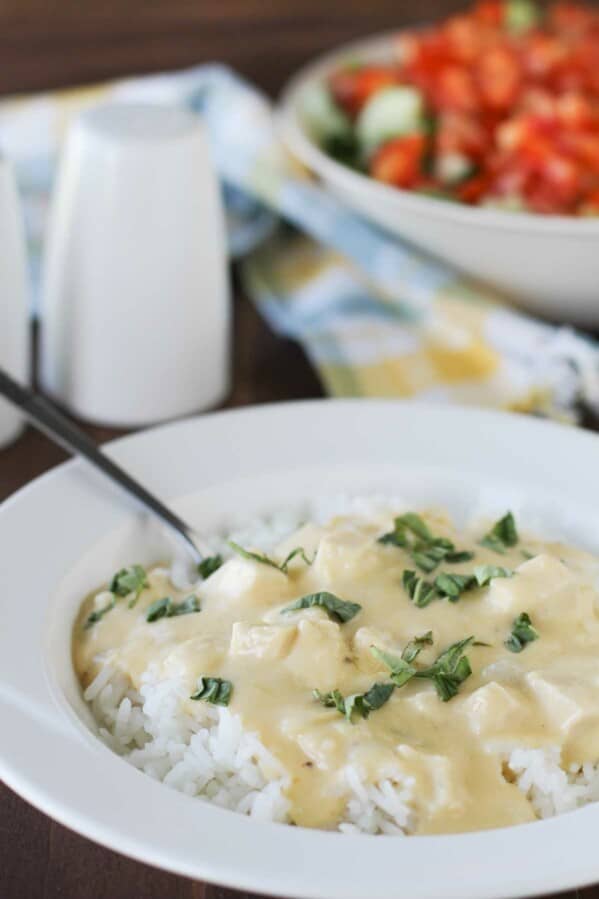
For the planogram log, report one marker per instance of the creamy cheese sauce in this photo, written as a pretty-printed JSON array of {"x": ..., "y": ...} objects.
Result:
[{"x": 451, "y": 752}]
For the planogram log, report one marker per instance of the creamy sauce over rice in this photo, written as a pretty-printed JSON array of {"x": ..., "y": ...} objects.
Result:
[{"x": 451, "y": 755}]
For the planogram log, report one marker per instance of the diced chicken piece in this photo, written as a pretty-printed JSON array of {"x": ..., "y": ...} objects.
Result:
[
  {"x": 497, "y": 711},
  {"x": 438, "y": 786},
  {"x": 262, "y": 640},
  {"x": 318, "y": 653},
  {"x": 194, "y": 657},
  {"x": 323, "y": 742},
  {"x": 544, "y": 587},
  {"x": 347, "y": 555},
  {"x": 569, "y": 698},
  {"x": 248, "y": 581}
]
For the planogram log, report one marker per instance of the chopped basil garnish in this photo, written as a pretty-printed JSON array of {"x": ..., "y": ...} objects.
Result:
[
  {"x": 129, "y": 580},
  {"x": 522, "y": 633},
  {"x": 358, "y": 704},
  {"x": 214, "y": 690},
  {"x": 401, "y": 671},
  {"x": 266, "y": 560},
  {"x": 449, "y": 586},
  {"x": 453, "y": 585},
  {"x": 400, "y": 666},
  {"x": 98, "y": 614},
  {"x": 447, "y": 672},
  {"x": 413, "y": 534},
  {"x": 484, "y": 574},
  {"x": 337, "y": 609},
  {"x": 420, "y": 591},
  {"x": 209, "y": 565},
  {"x": 502, "y": 535},
  {"x": 416, "y": 645},
  {"x": 167, "y": 608}
]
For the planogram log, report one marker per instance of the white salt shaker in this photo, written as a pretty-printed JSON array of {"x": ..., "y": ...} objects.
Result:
[
  {"x": 14, "y": 299},
  {"x": 135, "y": 294}
]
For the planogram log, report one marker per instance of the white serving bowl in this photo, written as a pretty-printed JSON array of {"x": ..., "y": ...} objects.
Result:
[
  {"x": 548, "y": 263},
  {"x": 61, "y": 535}
]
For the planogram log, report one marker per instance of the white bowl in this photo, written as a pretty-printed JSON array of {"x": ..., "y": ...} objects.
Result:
[
  {"x": 63, "y": 533},
  {"x": 548, "y": 264}
]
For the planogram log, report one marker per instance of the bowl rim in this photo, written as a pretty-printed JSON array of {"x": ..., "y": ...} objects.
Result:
[
  {"x": 306, "y": 149},
  {"x": 269, "y": 858}
]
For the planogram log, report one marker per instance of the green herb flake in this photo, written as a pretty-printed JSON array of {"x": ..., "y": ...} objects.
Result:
[
  {"x": 214, "y": 690},
  {"x": 415, "y": 646},
  {"x": 411, "y": 533},
  {"x": 209, "y": 565},
  {"x": 131, "y": 580},
  {"x": 266, "y": 560},
  {"x": 449, "y": 670},
  {"x": 453, "y": 585},
  {"x": 522, "y": 633},
  {"x": 420, "y": 591},
  {"x": 358, "y": 704},
  {"x": 338, "y": 609},
  {"x": 98, "y": 614},
  {"x": 502, "y": 535},
  {"x": 484, "y": 574},
  {"x": 400, "y": 669},
  {"x": 167, "y": 608}
]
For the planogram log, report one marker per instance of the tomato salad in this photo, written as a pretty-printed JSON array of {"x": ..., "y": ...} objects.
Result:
[{"x": 497, "y": 106}]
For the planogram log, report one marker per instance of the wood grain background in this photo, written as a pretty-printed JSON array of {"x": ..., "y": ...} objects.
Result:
[{"x": 50, "y": 43}]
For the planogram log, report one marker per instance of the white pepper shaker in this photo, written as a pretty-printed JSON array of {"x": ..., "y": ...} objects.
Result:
[
  {"x": 14, "y": 299},
  {"x": 135, "y": 295}
]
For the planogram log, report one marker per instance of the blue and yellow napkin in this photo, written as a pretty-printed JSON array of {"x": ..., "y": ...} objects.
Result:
[{"x": 376, "y": 316}]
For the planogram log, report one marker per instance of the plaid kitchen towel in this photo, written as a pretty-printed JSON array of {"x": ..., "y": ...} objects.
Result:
[{"x": 376, "y": 316}]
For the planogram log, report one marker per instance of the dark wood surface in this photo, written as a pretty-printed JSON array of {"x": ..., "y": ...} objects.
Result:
[{"x": 49, "y": 43}]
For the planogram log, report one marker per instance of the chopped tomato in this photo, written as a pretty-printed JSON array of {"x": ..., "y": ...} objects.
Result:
[
  {"x": 399, "y": 161},
  {"x": 499, "y": 76},
  {"x": 518, "y": 101},
  {"x": 351, "y": 88},
  {"x": 489, "y": 11},
  {"x": 455, "y": 89}
]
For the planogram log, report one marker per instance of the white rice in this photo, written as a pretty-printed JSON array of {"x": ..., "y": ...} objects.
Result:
[{"x": 210, "y": 756}]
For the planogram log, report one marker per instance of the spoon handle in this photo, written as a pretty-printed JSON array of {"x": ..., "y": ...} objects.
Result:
[{"x": 44, "y": 416}]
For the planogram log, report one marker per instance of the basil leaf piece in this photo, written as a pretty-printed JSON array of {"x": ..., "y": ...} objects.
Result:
[
  {"x": 358, "y": 704},
  {"x": 502, "y": 535},
  {"x": 450, "y": 669},
  {"x": 338, "y": 609},
  {"x": 415, "y": 646},
  {"x": 484, "y": 574},
  {"x": 167, "y": 608},
  {"x": 209, "y": 565},
  {"x": 421, "y": 592},
  {"x": 428, "y": 555},
  {"x": 522, "y": 633},
  {"x": 427, "y": 551},
  {"x": 459, "y": 556},
  {"x": 266, "y": 560},
  {"x": 214, "y": 690},
  {"x": 98, "y": 614},
  {"x": 400, "y": 669},
  {"x": 453, "y": 585},
  {"x": 129, "y": 580}
]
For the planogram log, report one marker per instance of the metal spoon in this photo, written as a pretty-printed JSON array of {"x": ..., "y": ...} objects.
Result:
[{"x": 44, "y": 416}]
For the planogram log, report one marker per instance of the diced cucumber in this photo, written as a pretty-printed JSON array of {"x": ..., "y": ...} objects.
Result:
[
  {"x": 391, "y": 112},
  {"x": 451, "y": 168},
  {"x": 322, "y": 117},
  {"x": 521, "y": 15}
]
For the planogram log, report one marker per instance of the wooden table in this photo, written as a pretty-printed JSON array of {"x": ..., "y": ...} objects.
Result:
[{"x": 45, "y": 45}]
